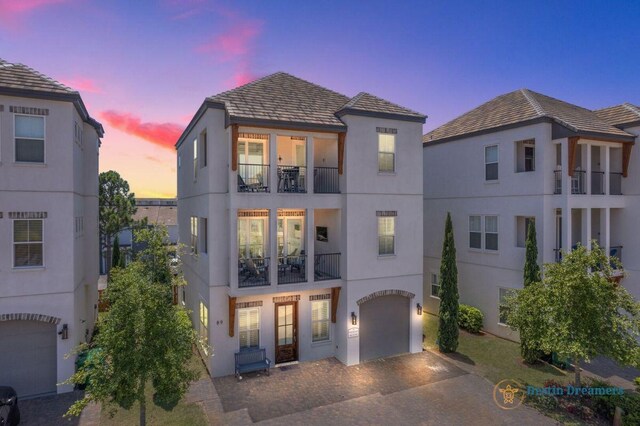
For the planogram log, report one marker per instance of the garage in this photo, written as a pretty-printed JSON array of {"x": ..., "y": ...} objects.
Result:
[
  {"x": 28, "y": 357},
  {"x": 384, "y": 327}
]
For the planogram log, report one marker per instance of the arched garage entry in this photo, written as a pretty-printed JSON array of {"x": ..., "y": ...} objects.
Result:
[
  {"x": 28, "y": 353},
  {"x": 384, "y": 324}
]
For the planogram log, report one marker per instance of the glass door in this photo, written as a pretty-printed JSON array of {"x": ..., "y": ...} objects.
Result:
[{"x": 251, "y": 238}]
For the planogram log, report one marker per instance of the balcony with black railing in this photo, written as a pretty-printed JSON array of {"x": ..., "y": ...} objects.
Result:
[
  {"x": 557, "y": 182},
  {"x": 292, "y": 179},
  {"x": 326, "y": 266},
  {"x": 615, "y": 183},
  {"x": 326, "y": 180},
  {"x": 578, "y": 185},
  {"x": 292, "y": 269},
  {"x": 597, "y": 183},
  {"x": 253, "y": 272},
  {"x": 253, "y": 177}
]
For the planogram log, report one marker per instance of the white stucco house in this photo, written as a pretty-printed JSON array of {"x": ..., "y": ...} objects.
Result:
[
  {"x": 302, "y": 208},
  {"x": 525, "y": 156},
  {"x": 48, "y": 229}
]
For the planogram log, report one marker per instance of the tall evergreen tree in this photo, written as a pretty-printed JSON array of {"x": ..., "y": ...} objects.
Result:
[
  {"x": 115, "y": 259},
  {"x": 530, "y": 353},
  {"x": 448, "y": 322}
]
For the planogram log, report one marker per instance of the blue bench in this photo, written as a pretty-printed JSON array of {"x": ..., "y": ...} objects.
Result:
[{"x": 252, "y": 360}]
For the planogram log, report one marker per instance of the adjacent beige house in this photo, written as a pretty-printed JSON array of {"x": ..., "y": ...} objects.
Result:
[
  {"x": 48, "y": 229},
  {"x": 302, "y": 208}
]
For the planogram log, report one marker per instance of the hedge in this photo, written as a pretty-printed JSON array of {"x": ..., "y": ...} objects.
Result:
[{"x": 470, "y": 318}]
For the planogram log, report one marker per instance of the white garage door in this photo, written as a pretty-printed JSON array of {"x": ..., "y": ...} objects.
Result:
[
  {"x": 28, "y": 357},
  {"x": 384, "y": 327}
]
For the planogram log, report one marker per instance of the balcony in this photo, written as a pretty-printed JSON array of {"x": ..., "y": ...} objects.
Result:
[
  {"x": 615, "y": 183},
  {"x": 326, "y": 180},
  {"x": 326, "y": 266},
  {"x": 292, "y": 179},
  {"x": 253, "y": 177},
  {"x": 253, "y": 272},
  {"x": 292, "y": 269},
  {"x": 578, "y": 182},
  {"x": 597, "y": 183},
  {"x": 557, "y": 179}
]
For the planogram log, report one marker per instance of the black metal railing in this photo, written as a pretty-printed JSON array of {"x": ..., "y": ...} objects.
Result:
[
  {"x": 292, "y": 179},
  {"x": 253, "y": 177},
  {"x": 577, "y": 182},
  {"x": 557, "y": 255},
  {"x": 253, "y": 272},
  {"x": 597, "y": 183},
  {"x": 615, "y": 183},
  {"x": 292, "y": 269},
  {"x": 326, "y": 180},
  {"x": 326, "y": 266},
  {"x": 557, "y": 179}
]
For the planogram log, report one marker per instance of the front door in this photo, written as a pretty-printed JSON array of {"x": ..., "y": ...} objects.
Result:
[{"x": 286, "y": 332}]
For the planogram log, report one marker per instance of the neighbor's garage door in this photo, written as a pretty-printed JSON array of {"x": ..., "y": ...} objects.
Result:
[
  {"x": 384, "y": 327},
  {"x": 28, "y": 357}
]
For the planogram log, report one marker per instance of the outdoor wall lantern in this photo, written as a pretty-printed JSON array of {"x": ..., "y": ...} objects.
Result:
[
  {"x": 64, "y": 333},
  {"x": 354, "y": 318},
  {"x": 419, "y": 306}
]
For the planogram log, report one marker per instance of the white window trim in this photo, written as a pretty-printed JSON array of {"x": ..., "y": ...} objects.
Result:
[
  {"x": 44, "y": 141},
  {"x": 395, "y": 237},
  {"x": 484, "y": 155},
  {"x": 387, "y": 172},
  {"x": 257, "y": 308},
  {"x": 13, "y": 251},
  {"x": 431, "y": 274},
  {"x": 330, "y": 335},
  {"x": 483, "y": 233}
]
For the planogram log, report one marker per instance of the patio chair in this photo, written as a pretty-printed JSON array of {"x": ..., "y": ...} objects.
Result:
[
  {"x": 255, "y": 272},
  {"x": 242, "y": 186},
  {"x": 297, "y": 262}
]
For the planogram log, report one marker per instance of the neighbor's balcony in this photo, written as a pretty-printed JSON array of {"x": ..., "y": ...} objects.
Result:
[
  {"x": 253, "y": 272},
  {"x": 292, "y": 179},
  {"x": 597, "y": 183},
  {"x": 253, "y": 177},
  {"x": 292, "y": 269},
  {"x": 578, "y": 180},
  {"x": 326, "y": 180},
  {"x": 614, "y": 252},
  {"x": 326, "y": 267},
  {"x": 615, "y": 183}
]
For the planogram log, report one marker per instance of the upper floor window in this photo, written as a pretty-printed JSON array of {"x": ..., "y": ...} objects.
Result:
[
  {"x": 27, "y": 243},
  {"x": 435, "y": 286},
  {"x": 475, "y": 232},
  {"x": 525, "y": 156},
  {"x": 491, "y": 162},
  {"x": 490, "y": 235},
  {"x": 194, "y": 235},
  {"x": 195, "y": 159},
  {"x": 386, "y": 153},
  {"x": 203, "y": 138},
  {"x": 320, "y": 320},
  {"x": 249, "y": 328},
  {"x": 386, "y": 234},
  {"x": 29, "y": 132},
  {"x": 204, "y": 225},
  {"x": 204, "y": 327}
]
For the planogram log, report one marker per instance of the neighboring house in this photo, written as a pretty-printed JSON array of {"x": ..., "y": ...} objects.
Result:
[
  {"x": 521, "y": 157},
  {"x": 157, "y": 211},
  {"x": 48, "y": 229},
  {"x": 303, "y": 211}
]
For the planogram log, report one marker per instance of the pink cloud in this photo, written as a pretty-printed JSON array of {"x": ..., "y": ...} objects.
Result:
[
  {"x": 12, "y": 10},
  {"x": 82, "y": 84},
  {"x": 236, "y": 42},
  {"x": 242, "y": 76},
  {"x": 164, "y": 135}
]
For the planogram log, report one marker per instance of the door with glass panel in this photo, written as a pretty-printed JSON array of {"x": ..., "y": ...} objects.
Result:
[
  {"x": 286, "y": 322},
  {"x": 251, "y": 164},
  {"x": 251, "y": 238}
]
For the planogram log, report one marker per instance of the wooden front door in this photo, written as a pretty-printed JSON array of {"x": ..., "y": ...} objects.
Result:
[{"x": 286, "y": 332}]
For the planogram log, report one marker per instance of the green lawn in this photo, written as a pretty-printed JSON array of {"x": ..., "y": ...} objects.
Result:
[
  {"x": 182, "y": 414},
  {"x": 494, "y": 358}
]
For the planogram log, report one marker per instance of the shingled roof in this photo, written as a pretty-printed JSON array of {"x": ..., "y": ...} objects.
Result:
[
  {"x": 284, "y": 100},
  {"x": 22, "y": 81},
  {"x": 523, "y": 107},
  {"x": 620, "y": 115}
]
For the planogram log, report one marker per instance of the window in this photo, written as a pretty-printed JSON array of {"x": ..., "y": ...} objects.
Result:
[
  {"x": 525, "y": 156},
  {"x": 491, "y": 233},
  {"x": 386, "y": 153},
  {"x": 249, "y": 328},
  {"x": 435, "y": 286},
  {"x": 29, "y": 132},
  {"x": 205, "y": 233},
  {"x": 320, "y": 320},
  {"x": 195, "y": 159},
  {"x": 522, "y": 227},
  {"x": 179, "y": 161},
  {"x": 194, "y": 235},
  {"x": 204, "y": 327},
  {"x": 27, "y": 243},
  {"x": 203, "y": 136},
  {"x": 386, "y": 235},
  {"x": 491, "y": 162},
  {"x": 503, "y": 311},
  {"x": 475, "y": 232}
]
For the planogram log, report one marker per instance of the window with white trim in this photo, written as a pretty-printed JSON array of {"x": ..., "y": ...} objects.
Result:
[
  {"x": 29, "y": 142},
  {"x": 491, "y": 233},
  {"x": 320, "y": 318},
  {"x": 526, "y": 156},
  {"x": 194, "y": 235},
  {"x": 435, "y": 286},
  {"x": 204, "y": 327},
  {"x": 195, "y": 159},
  {"x": 27, "y": 243},
  {"x": 491, "y": 163},
  {"x": 204, "y": 225},
  {"x": 249, "y": 328},
  {"x": 475, "y": 232},
  {"x": 483, "y": 232},
  {"x": 386, "y": 235},
  {"x": 386, "y": 153}
]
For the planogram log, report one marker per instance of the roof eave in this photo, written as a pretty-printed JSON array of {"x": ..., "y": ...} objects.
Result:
[
  {"x": 208, "y": 103},
  {"x": 376, "y": 114},
  {"x": 285, "y": 124}
]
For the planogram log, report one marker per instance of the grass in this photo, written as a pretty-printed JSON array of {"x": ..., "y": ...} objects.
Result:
[
  {"x": 182, "y": 414},
  {"x": 494, "y": 358}
]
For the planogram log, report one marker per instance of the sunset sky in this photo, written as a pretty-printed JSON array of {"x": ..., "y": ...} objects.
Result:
[{"x": 144, "y": 67}]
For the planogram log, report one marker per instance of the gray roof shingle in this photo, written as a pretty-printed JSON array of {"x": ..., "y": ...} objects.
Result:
[
  {"x": 521, "y": 106},
  {"x": 620, "y": 115},
  {"x": 366, "y": 102}
]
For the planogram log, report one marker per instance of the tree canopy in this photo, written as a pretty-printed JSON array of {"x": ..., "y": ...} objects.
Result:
[{"x": 449, "y": 306}]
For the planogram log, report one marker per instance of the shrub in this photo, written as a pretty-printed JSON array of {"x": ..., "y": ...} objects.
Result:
[
  {"x": 470, "y": 318},
  {"x": 636, "y": 381}
]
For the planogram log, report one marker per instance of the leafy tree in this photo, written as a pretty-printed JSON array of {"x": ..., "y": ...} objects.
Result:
[
  {"x": 116, "y": 259},
  {"x": 448, "y": 322},
  {"x": 144, "y": 342},
  {"x": 583, "y": 312},
  {"x": 529, "y": 352},
  {"x": 117, "y": 207}
]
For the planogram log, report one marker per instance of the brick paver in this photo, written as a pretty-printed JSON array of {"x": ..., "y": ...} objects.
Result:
[{"x": 48, "y": 410}]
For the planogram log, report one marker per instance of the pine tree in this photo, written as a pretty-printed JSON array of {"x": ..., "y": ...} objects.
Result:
[
  {"x": 531, "y": 275},
  {"x": 448, "y": 323},
  {"x": 115, "y": 260}
]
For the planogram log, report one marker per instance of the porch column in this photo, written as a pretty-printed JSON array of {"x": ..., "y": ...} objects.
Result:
[
  {"x": 233, "y": 248},
  {"x": 586, "y": 228},
  {"x": 605, "y": 226},
  {"x": 607, "y": 169},
  {"x": 273, "y": 247},
  {"x": 587, "y": 181},
  {"x": 273, "y": 163},
  {"x": 566, "y": 231},
  {"x": 310, "y": 243},
  {"x": 310, "y": 165},
  {"x": 566, "y": 177}
]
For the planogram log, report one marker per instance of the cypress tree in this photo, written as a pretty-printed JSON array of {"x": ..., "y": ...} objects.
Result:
[
  {"x": 531, "y": 275},
  {"x": 115, "y": 259},
  {"x": 448, "y": 322}
]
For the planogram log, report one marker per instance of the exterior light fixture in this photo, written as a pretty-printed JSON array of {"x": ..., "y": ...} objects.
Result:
[
  {"x": 419, "y": 306},
  {"x": 64, "y": 333},
  {"x": 354, "y": 318}
]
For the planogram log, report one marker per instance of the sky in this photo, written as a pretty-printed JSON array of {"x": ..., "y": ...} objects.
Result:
[{"x": 144, "y": 67}]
